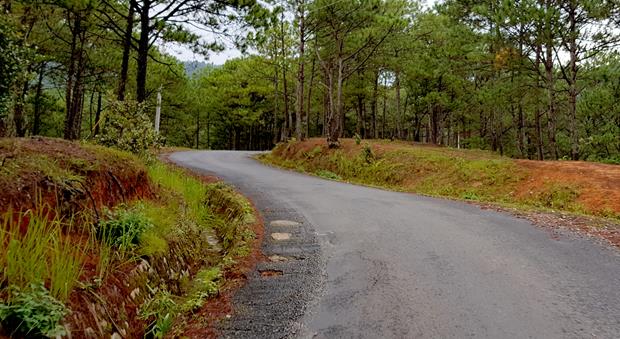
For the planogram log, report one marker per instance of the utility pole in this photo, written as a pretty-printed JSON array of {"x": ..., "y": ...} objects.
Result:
[{"x": 158, "y": 110}]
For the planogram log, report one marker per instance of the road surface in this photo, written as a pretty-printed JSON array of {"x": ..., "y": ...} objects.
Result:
[{"x": 369, "y": 263}]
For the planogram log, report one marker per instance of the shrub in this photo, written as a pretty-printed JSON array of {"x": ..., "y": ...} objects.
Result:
[
  {"x": 367, "y": 154},
  {"x": 358, "y": 139},
  {"x": 126, "y": 125},
  {"x": 33, "y": 312},
  {"x": 124, "y": 229}
]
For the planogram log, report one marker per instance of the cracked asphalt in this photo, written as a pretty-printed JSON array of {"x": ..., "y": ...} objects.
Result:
[{"x": 369, "y": 263}]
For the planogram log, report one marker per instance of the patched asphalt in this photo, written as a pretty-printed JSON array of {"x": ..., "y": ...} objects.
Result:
[{"x": 368, "y": 263}]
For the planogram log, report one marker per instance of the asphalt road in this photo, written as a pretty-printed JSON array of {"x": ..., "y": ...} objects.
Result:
[{"x": 368, "y": 263}]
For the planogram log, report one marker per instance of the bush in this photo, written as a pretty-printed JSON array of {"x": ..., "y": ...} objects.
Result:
[
  {"x": 124, "y": 229},
  {"x": 126, "y": 125},
  {"x": 33, "y": 312}
]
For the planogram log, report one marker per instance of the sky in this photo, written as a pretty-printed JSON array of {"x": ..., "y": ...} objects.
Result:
[{"x": 184, "y": 54}]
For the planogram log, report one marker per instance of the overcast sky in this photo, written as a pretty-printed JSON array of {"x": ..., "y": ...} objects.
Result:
[{"x": 231, "y": 52}]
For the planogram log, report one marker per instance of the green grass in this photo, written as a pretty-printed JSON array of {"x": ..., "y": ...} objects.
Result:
[{"x": 39, "y": 255}]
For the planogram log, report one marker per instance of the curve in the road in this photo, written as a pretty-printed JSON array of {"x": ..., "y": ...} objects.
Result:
[{"x": 377, "y": 264}]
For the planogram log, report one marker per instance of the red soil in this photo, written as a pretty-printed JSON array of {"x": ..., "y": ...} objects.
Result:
[{"x": 108, "y": 180}]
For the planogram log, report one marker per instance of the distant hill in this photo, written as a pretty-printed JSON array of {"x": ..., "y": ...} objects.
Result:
[{"x": 192, "y": 67}]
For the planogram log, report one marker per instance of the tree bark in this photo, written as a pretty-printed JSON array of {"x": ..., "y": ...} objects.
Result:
[
  {"x": 398, "y": 112},
  {"x": 288, "y": 116},
  {"x": 122, "y": 82},
  {"x": 572, "y": 80},
  {"x": 36, "y": 125},
  {"x": 309, "y": 101},
  {"x": 75, "y": 80},
  {"x": 143, "y": 50},
  {"x": 373, "y": 107},
  {"x": 300, "y": 75}
]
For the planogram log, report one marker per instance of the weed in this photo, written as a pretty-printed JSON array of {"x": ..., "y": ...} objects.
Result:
[
  {"x": 124, "y": 229},
  {"x": 205, "y": 285},
  {"x": 558, "y": 196},
  {"x": 316, "y": 151},
  {"x": 328, "y": 175},
  {"x": 160, "y": 310},
  {"x": 33, "y": 312},
  {"x": 358, "y": 139},
  {"x": 367, "y": 154}
]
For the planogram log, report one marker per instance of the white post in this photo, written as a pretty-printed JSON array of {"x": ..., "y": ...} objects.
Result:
[{"x": 158, "y": 110}]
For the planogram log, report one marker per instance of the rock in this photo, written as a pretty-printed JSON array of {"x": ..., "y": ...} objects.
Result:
[
  {"x": 278, "y": 258},
  {"x": 280, "y": 236},
  {"x": 284, "y": 223}
]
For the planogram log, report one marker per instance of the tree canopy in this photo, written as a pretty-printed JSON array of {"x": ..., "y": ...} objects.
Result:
[{"x": 525, "y": 78}]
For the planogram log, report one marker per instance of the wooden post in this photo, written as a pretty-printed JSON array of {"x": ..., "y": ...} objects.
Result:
[{"x": 158, "y": 111}]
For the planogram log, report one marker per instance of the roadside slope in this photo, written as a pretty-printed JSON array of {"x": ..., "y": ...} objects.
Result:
[{"x": 95, "y": 242}]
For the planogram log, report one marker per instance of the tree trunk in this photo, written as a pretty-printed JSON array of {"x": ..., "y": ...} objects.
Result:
[
  {"x": 122, "y": 82},
  {"x": 309, "y": 101},
  {"x": 550, "y": 79},
  {"x": 288, "y": 116},
  {"x": 331, "y": 125},
  {"x": 98, "y": 114},
  {"x": 36, "y": 125},
  {"x": 572, "y": 81},
  {"x": 373, "y": 106},
  {"x": 143, "y": 51},
  {"x": 18, "y": 110},
  {"x": 276, "y": 95},
  {"x": 398, "y": 112},
  {"x": 300, "y": 75},
  {"x": 75, "y": 81}
]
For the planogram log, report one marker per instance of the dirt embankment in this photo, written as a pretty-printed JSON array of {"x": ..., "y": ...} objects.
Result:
[
  {"x": 59, "y": 173},
  {"x": 122, "y": 289}
]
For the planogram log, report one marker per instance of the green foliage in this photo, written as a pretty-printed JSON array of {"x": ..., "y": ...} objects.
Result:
[
  {"x": 558, "y": 196},
  {"x": 204, "y": 285},
  {"x": 160, "y": 310},
  {"x": 357, "y": 138},
  {"x": 126, "y": 125},
  {"x": 367, "y": 154},
  {"x": 33, "y": 312},
  {"x": 328, "y": 175},
  {"x": 10, "y": 61},
  {"x": 124, "y": 229}
]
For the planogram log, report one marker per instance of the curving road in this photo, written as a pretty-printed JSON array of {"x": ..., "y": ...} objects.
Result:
[{"x": 395, "y": 265}]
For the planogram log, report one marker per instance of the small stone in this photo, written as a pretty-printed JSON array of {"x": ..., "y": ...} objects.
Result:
[
  {"x": 228, "y": 316},
  {"x": 116, "y": 336},
  {"x": 284, "y": 223},
  {"x": 278, "y": 258},
  {"x": 280, "y": 236}
]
